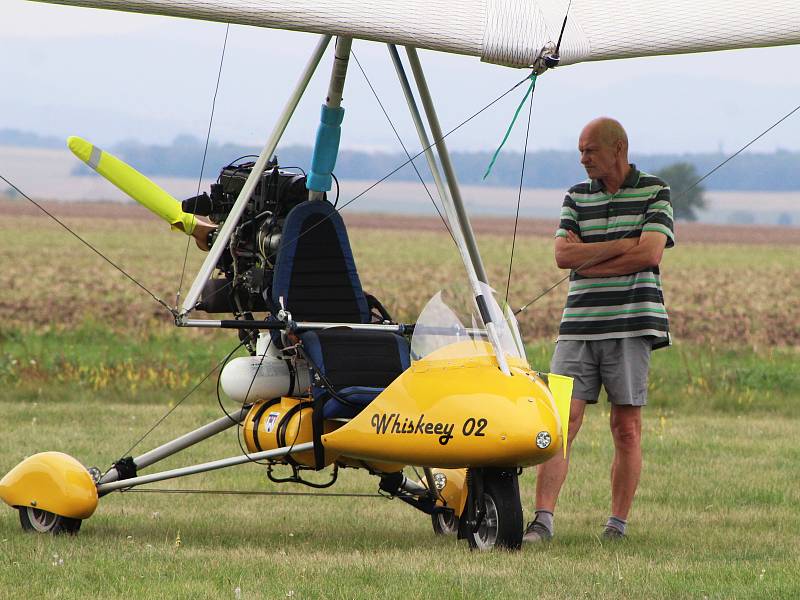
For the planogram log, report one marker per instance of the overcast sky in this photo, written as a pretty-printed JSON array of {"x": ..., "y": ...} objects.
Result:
[{"x": 110, "y": 76}]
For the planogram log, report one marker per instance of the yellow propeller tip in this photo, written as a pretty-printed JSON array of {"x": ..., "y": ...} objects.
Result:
[{"x": 80, "y": 147}]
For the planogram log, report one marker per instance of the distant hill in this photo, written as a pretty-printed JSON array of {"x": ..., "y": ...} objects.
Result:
[
  {"x": 777, "y": 171},
  {"x": 25, "y": 139}
]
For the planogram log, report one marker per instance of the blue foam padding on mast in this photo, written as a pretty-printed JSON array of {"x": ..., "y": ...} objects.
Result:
[{"x": 326, "y": 149}]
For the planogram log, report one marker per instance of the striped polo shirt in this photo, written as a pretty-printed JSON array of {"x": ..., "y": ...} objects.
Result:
[{"x": 600, "y": 308}]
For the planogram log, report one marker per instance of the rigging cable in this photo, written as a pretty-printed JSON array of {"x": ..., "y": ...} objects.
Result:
[
  {"x": 600, "y": 256},
  {"x": 519, "y": 198},
  {"x": 392, "y": 172},
  {"x": 250, "y": 493},
  {"x": 205, "y": 154},
  {"x": 399, "y": 139},
  {"x": 177, "y": 404},
  {"x": 417, "y": 155},
  {"x": 90, "y": 246}
]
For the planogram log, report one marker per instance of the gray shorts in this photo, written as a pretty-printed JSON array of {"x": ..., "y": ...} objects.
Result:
[{"x": 620, "y": 365}]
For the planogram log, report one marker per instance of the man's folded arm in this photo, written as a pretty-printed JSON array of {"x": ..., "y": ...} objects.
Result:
[
  {"x": 571, "y": 255},
  {"x": 646, "y": 254}
]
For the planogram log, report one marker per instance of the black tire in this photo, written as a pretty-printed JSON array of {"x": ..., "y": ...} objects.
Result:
[
  {"x": 445, "y": 522},
  {"x": 501, "y": 526},
  {"x": 41, "y": 521}
]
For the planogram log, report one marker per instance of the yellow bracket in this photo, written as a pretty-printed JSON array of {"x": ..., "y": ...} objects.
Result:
[{"x": 561, "y": 388}]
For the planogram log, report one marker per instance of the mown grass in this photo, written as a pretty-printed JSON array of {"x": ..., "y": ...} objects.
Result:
[{"x": 716, "y": 517}]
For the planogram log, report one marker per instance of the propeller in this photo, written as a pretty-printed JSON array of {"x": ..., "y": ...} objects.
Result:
[{"x": 133, "y": 183}]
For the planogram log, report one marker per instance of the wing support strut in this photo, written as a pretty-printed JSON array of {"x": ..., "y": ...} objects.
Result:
[
  {"x": 250, "y": 185},
  {"x": 451, "y": 196}
]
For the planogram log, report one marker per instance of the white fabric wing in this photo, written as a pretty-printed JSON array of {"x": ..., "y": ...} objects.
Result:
[{"x": 509, "y": 32}]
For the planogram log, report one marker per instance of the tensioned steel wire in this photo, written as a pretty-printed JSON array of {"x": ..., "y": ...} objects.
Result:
[
  {"x": 205, "y": 154},
  {"x": 400, "y": 139},
  {"x": 519, "y": 194},
  {"x": 179, "y": 402},
  {"x": 90, "y": 246},
  {"x": 173, "y": 312},
  {"x": 251, "y": 493},
  {"x": 603, "y": 255},
  {"x": 393, "y": 171}
]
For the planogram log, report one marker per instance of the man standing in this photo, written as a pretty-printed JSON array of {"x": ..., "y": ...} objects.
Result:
[{"x": 614, "y": 228}]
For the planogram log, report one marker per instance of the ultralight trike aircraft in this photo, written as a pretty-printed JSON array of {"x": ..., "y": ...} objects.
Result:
[{"x": 332, "y": 379}]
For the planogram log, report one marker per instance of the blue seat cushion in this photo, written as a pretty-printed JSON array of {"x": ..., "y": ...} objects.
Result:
[
  {"x": 358, "y": 398},
  {"x": 357, "y": 364}
]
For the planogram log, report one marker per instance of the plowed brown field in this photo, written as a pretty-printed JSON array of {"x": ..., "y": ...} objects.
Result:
[{"x": 733, "y": 286}]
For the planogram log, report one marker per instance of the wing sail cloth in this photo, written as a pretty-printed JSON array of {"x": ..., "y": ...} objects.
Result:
[{"x": 509, "y": 32}]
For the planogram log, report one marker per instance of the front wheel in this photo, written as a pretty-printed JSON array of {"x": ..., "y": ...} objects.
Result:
[
  {"x": 501, "y": 525},
  {"x": 445, "y": 522},
  {"x": 42, "y": 521}
]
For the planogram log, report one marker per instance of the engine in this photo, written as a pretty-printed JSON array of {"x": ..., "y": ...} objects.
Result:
[{"x": 245, "y": 267}]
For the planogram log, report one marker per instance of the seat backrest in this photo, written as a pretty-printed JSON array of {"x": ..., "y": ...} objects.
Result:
[{"x": 315, "y": 273}]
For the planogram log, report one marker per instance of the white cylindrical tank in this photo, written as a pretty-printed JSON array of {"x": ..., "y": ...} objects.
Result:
[{"x": 250, "y": 378}]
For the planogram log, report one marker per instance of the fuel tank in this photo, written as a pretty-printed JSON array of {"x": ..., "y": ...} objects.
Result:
[{"x": 248, "y": 378}]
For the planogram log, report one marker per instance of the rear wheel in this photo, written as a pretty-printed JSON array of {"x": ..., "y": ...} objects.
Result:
[
  {"x": 445, "y": 522},
  {"x": 501, "y": 525},
  {"x": 42, "y": 521}
]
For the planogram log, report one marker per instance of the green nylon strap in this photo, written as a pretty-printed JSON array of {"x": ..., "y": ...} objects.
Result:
[{"x": 511, "y": 126}]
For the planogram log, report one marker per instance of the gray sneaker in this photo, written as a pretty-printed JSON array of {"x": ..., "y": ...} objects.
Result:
[
  {"x": 536, "y": 532},
  {"x": 612, "y": 534}
]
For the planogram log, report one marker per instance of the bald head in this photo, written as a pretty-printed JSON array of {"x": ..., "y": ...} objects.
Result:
[
  {"x": 604, "y": 151},
  {"x": 608, "y": 131}
]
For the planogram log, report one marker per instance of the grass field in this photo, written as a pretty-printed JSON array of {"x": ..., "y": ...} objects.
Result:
[{"x": 88, "y": 363}]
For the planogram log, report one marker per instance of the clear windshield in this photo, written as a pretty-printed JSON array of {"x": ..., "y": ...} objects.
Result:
[{"x": 439, "y": 326}]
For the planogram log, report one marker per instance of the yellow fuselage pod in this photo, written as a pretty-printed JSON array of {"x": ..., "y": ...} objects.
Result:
[
  {"x": 456, "y": 412},
  {"x": 51, "y": 481}
]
